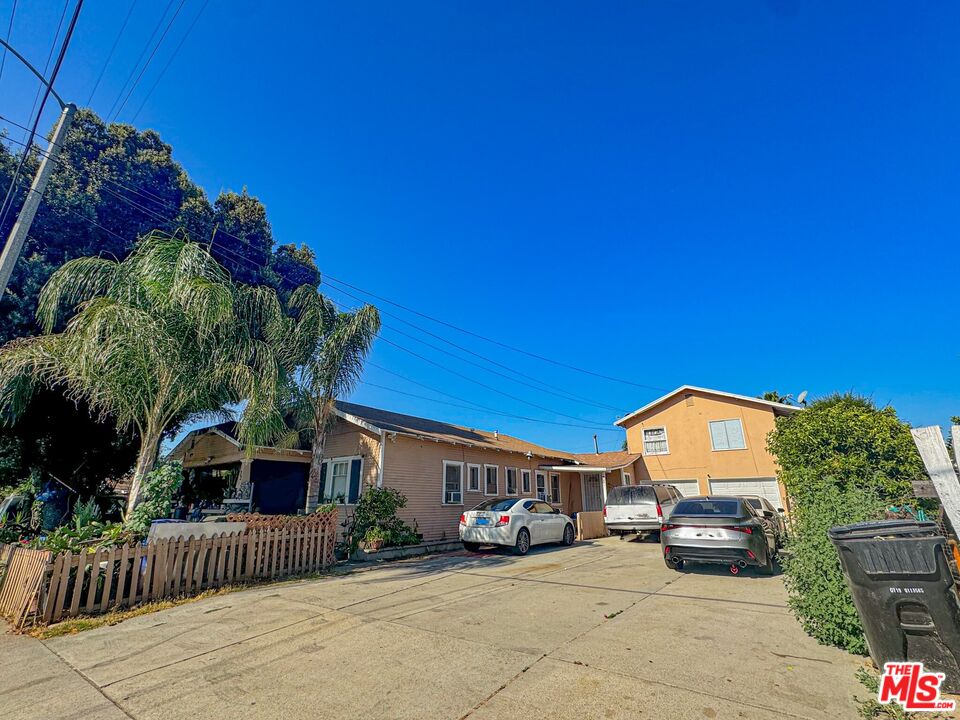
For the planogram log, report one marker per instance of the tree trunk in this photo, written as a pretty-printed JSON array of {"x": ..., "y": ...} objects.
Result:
[
  {"x": 316, "y": 457},
  {"x": 149, "y": 443}
]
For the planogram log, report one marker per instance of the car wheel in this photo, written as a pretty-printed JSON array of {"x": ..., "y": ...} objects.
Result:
[
  {"x": 767, "y": 567},
  {"x": 568, "y": 535},
  {"x": 523, "y": 542},
  {"x": 472, "y": 547}
]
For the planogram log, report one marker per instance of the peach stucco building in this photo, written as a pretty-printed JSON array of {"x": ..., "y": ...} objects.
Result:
[{"x": 703, "y": 441}]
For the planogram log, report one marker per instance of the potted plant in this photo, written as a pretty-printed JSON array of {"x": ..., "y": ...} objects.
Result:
[{"x": 373, "y": 540}]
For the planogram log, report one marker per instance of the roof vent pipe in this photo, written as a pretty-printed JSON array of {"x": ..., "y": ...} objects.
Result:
[
  {"x": 596, "y": 445},
  {"x": 496, "y": 434}
]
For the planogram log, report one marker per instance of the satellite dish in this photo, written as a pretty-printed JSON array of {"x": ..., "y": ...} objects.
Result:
[{"x": 802, "y": 398}]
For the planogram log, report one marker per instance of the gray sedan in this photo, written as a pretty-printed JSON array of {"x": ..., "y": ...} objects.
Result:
[{"x": 714, "y": 529}]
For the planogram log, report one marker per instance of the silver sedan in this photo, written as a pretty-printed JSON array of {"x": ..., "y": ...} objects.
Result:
[{"x": 518, "y": 523}]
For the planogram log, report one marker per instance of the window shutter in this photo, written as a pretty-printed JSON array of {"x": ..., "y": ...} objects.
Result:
[
  {"x": 735, "y": 434},
  {"x": 323, "y": 481},
  {"x": 718, "y": 433},
  {"x": 354, "y": 492}
]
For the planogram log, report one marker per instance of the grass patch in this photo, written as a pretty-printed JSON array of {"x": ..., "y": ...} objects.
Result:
[{"x": 78, "y": 624}]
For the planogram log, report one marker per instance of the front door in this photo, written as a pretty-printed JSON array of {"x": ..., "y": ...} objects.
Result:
[{"x": 592, "y": 493}]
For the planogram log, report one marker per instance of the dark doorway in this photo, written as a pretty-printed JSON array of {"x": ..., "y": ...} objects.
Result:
[{"x": 279, "y": 488}]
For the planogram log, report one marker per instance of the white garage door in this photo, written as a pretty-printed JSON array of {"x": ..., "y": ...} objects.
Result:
[
  {"x": 765, "y": 487},
  {"x": 687, "y": 488}
]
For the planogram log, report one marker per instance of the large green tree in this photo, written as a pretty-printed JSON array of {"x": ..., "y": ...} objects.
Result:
[
  {"x": 162, "y": 335},
  {"x": 111, "y": 185}
]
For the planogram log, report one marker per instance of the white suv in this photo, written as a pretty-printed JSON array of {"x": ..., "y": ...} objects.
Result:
[{"x": 639, "y": 509}]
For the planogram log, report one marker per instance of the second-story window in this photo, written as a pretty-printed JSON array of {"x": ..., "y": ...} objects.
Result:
[
  {"x": 727, "y": 435},
  {"x": 655, "y": 441}
]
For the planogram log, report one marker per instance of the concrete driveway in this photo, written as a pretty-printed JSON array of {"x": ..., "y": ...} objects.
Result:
[{"x": 600, "y": 630}]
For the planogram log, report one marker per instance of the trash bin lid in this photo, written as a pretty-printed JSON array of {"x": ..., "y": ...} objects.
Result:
[{"x": 874, "y": 529}]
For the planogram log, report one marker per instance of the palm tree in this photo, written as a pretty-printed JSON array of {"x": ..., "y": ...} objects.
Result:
[
  {"x": 774, "y": 396},
  {"x": 154, "y": 339},
  {"x": 341, "y": 342}
]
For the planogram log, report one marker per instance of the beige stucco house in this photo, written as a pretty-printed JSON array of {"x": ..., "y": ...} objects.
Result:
[
  {"x": 441, "y": 468},
  {"x": 703, "y": 441},
  {"x": 707, "y": 441}
]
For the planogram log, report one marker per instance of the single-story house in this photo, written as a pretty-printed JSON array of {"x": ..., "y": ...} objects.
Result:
[{"x": 441, "y": 468}]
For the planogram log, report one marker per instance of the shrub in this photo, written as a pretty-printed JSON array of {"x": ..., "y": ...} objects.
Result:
[
  {"x": 377, "y": 509},
  {"x": 819, "y": 596},
  {"x": 159, "y": 488}
]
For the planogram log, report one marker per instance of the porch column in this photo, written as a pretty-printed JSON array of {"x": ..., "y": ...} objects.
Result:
[
  {"x": 243, "y": 481},
  {"x": 603, "y": 487}
]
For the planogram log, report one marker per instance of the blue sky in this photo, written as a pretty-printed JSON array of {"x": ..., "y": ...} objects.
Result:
[{"x": 744, "y": 196}]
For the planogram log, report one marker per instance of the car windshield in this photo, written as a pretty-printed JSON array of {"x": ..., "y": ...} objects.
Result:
[
  {"x": 755, "y": 503},
  {"x": 497, "y": 504},
  {"x": 708, "y": 507},
  {"x": 631, "y": 495}
]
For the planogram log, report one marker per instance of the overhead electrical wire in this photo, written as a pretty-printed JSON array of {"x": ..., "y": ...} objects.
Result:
[
  {"x": 169, "y": 62},
  {"x": 113, "y": 49},
  {"x": 149, "y": 60},
  {"x": 3, "y": 59}
]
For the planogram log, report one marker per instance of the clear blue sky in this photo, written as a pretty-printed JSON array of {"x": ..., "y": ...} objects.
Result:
[{"x": 744, "y": 196}]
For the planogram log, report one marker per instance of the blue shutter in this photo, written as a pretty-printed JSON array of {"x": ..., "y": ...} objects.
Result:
[
  {"x": 323, "y": 481},
  {"x": 354, "y": 492}
]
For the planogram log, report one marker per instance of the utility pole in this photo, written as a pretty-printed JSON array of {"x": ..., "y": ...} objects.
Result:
[{"x": 18, "y": 233}]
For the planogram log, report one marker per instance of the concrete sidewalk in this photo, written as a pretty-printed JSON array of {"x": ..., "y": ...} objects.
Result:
[{"x": 600, "y": 630}]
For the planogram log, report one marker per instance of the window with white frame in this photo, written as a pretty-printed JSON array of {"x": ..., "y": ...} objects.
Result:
[
  {"x": 473, "y": 478},
  {"x": 511, "y": 481},
  {"x": 727, "y": 435},
  {"x": 525, "y": 482},
  {"x": 541, "y": 486},
  {"x": 452, "y": 482},
  {"x": 338, "y": 484},
  {"x": 491, "y": 480},
  {"x": 655, "y": 441},
  {"x": 626, "y": 479},
  {"x": 554, "y": 487}
]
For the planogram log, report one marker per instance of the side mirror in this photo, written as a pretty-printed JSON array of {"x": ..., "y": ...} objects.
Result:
[
  {"x": 556, "y": 511},
  {"x": 780, "y": 510}
]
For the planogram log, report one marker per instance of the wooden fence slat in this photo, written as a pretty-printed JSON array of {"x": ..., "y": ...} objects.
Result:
[
  {"x": 108, "y": 579},
  {"x": 189, "y": 565},
  {"x": 62, "y": 588},
  {"x": 250, "y": 553},
  {"x": 81, "y": 563},
  {"x": 222, "y": 558},
  {"x": 136, "y": 574},
  {"x": 94, "y": 579},
  {"x": 200, "y": 566},
  {"x": 54, "y": 587},
  {"x": 122, "y": 572}
]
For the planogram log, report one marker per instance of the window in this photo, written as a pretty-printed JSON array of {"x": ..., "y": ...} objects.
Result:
[
  {"x": 626, "y": 479},
  {"x": 473, "y": 478},
  {"x": 452, "y": 482},
  {"x": 511, "y": 481},
  {"x": 499, "y": 505},
  {"x": 525, "y": 481},
  {"x": 339, "y": 476},
  {"x": 555, "y": 487},
  {"x": 727, "y": 435},
  {"x": 543, "y": 509},
  {"x": 541, "y": 486},
  {"x": 729, "y": 508},
  {"x": 631, "y": 495},
  {"x": 340, "y": 480},
  {"x": 655, "y": 441},
  {"x": 492, "y": 482}
]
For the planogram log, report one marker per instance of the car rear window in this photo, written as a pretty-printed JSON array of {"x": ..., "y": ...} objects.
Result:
[
  {"x": 708, "y": 507},
  {"x": 630, "y": 495},
  {"x": 497, "y": 504}
]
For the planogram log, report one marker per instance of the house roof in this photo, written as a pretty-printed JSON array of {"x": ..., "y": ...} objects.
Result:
[
  {"x": 778, "y": 408},
  {"x": 607, "y": 460},
  {"x": 376, "y": 419}
]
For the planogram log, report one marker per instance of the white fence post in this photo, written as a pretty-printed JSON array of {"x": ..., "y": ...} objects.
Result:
[{"x": 933, "y": 452}]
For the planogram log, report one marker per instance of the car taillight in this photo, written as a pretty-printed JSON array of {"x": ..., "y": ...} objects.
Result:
[
  {"x": 504, "y": 519},
  {"x": 659, "y": 511},
  {"x": 463, "y": 519},
  {"x": 665, "y": 527},
  {"x": 751, "y": 555},
  {"x": 739, "y": 528},
  {"x": 666, "y": 550}
]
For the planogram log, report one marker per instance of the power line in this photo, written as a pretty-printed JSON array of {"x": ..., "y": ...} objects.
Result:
[
  {"x": 547, "y": 388},
  {"x": 491, "y": 340},
  {"x": 13, "y": 14},
  {"x": 169, "y": 61},
  {"x": 112, "y": 50},
  {"x": 149, "y": 60},
  {"x": 53, "y": 46},
  {"x": 143, "y": 52},
  {"x": 36, "y": 121}
]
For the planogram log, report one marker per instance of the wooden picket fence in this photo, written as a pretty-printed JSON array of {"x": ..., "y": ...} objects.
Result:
[{"x": 95, "y": 582}]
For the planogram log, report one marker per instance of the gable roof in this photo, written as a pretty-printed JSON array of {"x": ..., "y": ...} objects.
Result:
[
  {"x": 377, "y": 420},
  {"x": 778, "y": 408}
]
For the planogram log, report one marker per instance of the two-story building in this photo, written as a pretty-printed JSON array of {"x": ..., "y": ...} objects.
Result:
[{"x": 707, "y": 442}]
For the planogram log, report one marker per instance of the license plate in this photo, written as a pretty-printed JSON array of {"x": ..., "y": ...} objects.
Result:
[{"x": 483, "y": 521}]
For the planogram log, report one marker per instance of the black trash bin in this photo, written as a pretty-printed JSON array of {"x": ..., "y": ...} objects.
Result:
[{"x": 901, "y": 584}]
